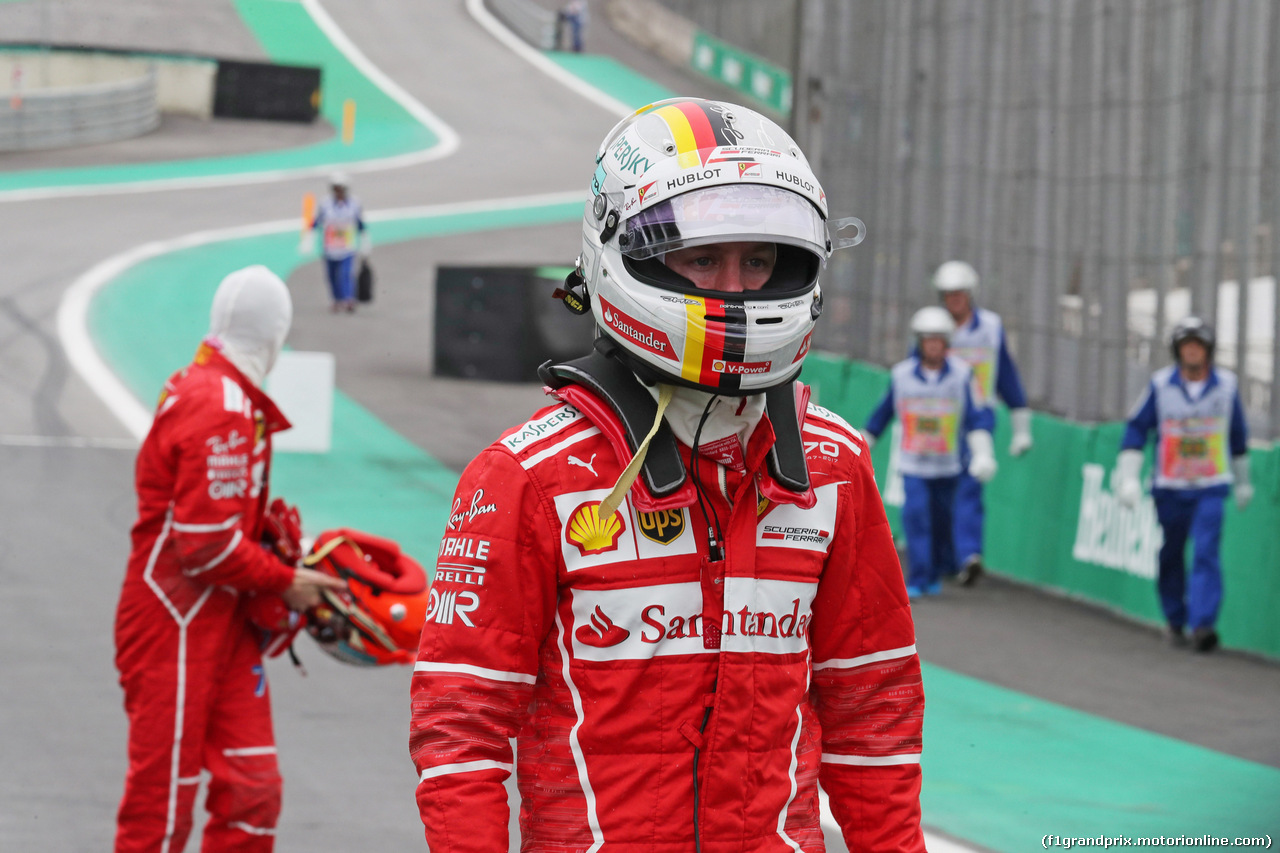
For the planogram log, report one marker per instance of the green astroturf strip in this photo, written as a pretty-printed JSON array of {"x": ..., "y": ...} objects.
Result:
[
  {"x": 613, "y": 78},
  {"x": 288, "y": 35},
  {"x": 1003, "y": 769}
]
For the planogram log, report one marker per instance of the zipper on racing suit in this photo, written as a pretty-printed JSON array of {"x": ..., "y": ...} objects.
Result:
[
  {"x": 709, "y": 699},
  {"x": 713, "y": 569}
]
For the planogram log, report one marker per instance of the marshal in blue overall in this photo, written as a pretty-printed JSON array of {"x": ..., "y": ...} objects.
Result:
[
  {"x": 1201, "y": 451},
  {"x": 930, "y": 394},
  {"x": 979, "y": 340}
]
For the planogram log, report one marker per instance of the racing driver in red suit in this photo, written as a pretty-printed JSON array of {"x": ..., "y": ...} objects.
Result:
[
  {"x": 675, "y": 588},
  {"x": 195, "y": 690}
]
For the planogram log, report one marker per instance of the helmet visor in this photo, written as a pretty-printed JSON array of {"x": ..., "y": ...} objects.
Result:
[{"x": 725, "y": 214}]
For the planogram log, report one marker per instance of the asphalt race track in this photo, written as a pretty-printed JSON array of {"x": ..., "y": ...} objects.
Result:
[{"x": 66, "y": 463}]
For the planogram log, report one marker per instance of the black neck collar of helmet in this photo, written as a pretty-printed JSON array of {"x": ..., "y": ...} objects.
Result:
[{"x": 612, "y": 377}]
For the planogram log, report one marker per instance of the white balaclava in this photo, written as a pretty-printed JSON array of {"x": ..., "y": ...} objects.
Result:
[
  {"x": 249, "y": 320},
  {"x": 737, "y": 416}
]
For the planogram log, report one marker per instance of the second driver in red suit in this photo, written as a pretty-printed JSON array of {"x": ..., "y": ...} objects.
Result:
[
  {"x": 676, "y": 588},
  {"x": 194, "y": 687}
]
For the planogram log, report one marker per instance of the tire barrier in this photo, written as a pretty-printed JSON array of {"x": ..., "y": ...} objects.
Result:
[
  {"x": 79, "y": 115},
  {"x": 57, "y": 97}
]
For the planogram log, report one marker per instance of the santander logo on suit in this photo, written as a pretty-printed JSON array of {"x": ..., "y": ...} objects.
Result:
[{"x": 760, "y": 615}]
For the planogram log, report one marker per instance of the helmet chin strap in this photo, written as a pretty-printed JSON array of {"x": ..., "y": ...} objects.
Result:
[{"x": 613, "y": 500}]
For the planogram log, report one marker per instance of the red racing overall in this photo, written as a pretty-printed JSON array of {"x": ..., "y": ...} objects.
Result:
[
  {"x": 655, "y": 693},
  {"x": 195, "y": 690}
]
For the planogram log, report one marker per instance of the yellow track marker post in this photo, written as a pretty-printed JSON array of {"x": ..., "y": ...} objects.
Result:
[
  {"x": 348, "y": 121},
  {"x": 308, "y": 210}
]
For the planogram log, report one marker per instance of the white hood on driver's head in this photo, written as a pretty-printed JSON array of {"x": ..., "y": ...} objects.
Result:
[{"x": 249, "y": 320}]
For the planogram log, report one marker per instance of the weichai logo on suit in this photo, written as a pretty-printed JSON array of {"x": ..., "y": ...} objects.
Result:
[{"x": 663, "y": 526}]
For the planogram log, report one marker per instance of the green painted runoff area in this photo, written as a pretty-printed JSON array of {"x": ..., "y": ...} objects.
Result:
[
  {"x": 612, "y": 77},
  {"x": 1001, "y": 768},
  {"x": 288, "y": 35}
]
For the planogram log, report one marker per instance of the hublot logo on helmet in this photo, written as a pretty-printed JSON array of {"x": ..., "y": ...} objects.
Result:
[
  {"x": 693, "y": 178},
  {"x": 795, "y": 180}
]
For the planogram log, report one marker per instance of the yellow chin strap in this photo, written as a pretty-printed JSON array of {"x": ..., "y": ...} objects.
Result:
[{"x": 613, "y": 500}]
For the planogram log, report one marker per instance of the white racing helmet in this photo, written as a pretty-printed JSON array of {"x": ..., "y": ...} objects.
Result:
[
  {"x": 955, "y": 275},
  {"x": 687, "y": 172},
  {"x": 933, "y": 321}
]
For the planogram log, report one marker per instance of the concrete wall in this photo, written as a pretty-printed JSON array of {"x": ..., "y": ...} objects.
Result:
[
  {"x": 655, "y": 28},
  {"x": 182, "y": 85},
  {"x": 528, "y": 20}
]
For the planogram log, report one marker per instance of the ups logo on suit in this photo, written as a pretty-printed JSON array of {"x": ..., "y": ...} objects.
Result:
[{"x": 663, "y": 526}]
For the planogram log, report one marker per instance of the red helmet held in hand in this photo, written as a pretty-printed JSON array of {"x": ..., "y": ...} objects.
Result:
[{"x": 378, "y": 619}]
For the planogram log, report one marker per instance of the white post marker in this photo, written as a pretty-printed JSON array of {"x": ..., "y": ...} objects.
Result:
[{"x": 301, "y": 384}]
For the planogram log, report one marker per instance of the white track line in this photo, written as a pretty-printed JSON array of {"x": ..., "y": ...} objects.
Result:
[
  {"x": 535, "y": 57},
  {"x": 73, "y": 309},
  {"x": 446, "y": 145}
]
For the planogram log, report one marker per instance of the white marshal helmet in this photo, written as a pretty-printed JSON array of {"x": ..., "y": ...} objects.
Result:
[
  {"x": 955, "y": 275},
  {"x": 933, "y": 321},
  {"x": 339, "y": 179},
  {"x": 687, "y": 172}
]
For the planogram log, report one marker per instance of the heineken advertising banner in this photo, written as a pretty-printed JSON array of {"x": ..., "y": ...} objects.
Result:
[{"x": 1053, "y": 520}]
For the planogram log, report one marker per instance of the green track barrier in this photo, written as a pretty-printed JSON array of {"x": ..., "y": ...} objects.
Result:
[
  {"x": 288, "y": 35},
  {"x": 1052, "y": 519},
  {"x": 761, "y": 81}
]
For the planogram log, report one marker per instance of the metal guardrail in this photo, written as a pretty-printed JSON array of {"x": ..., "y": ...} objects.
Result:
[
  {"x": 528, "y": 20},
  {"x": 82, "y": 115}
]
